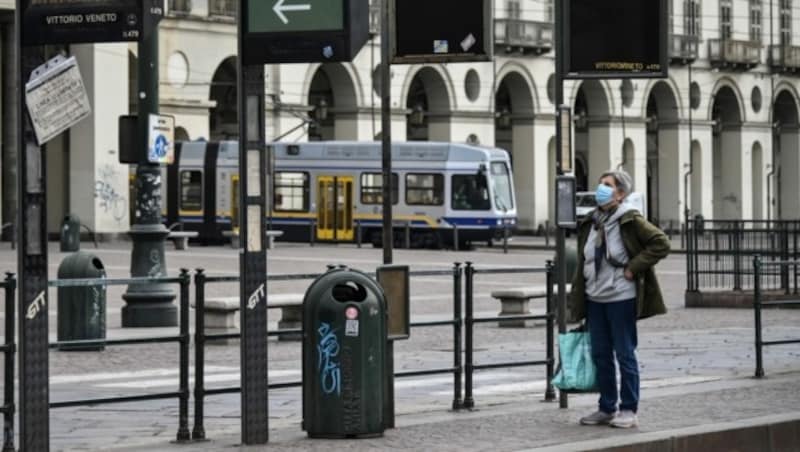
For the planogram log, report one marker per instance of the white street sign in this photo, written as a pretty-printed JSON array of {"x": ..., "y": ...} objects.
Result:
[
  {"x": 161, "y": 139},
  {"x": 56, "y": 98},
  {"x": 280, "y": 8}
]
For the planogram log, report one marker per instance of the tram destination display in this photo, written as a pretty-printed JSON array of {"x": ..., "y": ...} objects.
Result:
[
  {"x": 615, "y": 39},
  {"x": 86, "y": 21}
]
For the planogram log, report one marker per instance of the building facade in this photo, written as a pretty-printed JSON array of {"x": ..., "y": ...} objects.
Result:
[{"x": 718, "y": 137}]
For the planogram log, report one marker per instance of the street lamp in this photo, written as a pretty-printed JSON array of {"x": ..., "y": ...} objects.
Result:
[
  {"x": 417, "y": 116},
  {"x": 148, "y": 305},
  {"x": 504, "y": 118},
  {"x": 581, "y": 121},
  {"x": 321, "y": 110}
]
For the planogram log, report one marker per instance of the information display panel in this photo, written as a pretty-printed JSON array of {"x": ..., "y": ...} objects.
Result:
[{"x": 615, "y": 39}]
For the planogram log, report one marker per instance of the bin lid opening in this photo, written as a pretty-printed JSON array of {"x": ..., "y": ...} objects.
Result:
[{"x": 349, "y": 291}]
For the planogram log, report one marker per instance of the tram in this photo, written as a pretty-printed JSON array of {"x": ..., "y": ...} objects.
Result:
[{"x": 332, "y": 191}]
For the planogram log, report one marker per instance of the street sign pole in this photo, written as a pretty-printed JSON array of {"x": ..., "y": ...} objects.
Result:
[
  {"x": 34, "y": 398},
  {"x": 386, "y": 164},
  {"x": 32, "y": 33},
  {"x": 148, "y": 305},
  {"x": 386, "y": 134},
  {"x": 561, "y": 258},
  {"x": 252, "y": 240}
]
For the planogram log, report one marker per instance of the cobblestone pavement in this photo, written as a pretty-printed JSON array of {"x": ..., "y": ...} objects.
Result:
[{"x": 703, "y": 354}]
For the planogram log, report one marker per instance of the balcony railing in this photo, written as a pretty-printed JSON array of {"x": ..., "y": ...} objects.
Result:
[
  {"x": 683, "y": 48},
  {"x": 180, "y": 7},
  {"x": 523, "y": 35},
  {"x": 733, "y": 53},
  {"x": 785, "y": 58},
  {"x": 223, "y": 8}
]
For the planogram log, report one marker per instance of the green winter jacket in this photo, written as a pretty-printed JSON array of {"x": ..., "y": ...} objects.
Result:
[{"x": 646, "y": 245}]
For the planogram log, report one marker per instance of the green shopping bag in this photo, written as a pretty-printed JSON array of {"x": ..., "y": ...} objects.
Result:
[{"x": 576, "y": 370}]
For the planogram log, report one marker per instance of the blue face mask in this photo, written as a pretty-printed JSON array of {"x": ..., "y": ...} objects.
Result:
[{"x": 604, "y": 194}]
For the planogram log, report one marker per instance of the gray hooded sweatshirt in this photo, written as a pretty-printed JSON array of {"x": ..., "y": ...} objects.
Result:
[{"x": 609, "y": 284}]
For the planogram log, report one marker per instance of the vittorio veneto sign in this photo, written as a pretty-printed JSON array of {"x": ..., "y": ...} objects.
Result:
[
  {"x": 56, "y": 98},
  {"x": 76, "y": 21}
]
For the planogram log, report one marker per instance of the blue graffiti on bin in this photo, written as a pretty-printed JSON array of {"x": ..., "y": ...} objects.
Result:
[{"x": 329, "y": 370}]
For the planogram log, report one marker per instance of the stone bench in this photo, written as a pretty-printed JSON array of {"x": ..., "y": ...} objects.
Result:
[
  {"x": 221, "y": 313},
  {"x": 234, "y": 236},
  {"x": 516, "y": 301},
  {"x": 181, "y": 238}
]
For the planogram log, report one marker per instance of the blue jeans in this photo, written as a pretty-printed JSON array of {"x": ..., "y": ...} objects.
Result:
[{"x": 612, "y": 328}]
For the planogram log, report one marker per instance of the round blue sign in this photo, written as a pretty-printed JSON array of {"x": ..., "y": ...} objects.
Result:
[{"x": 160, "y": 146}]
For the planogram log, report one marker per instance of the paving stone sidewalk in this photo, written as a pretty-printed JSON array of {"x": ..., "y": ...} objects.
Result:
[{"x": 524, "y": 424}]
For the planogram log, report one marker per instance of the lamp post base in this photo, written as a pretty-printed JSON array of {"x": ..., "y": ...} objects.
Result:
[{"x": 149, "y": 305}]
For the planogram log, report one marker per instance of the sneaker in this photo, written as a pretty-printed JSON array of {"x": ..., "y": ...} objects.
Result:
[
  {"x": 597, "y": 418},
  {"x": 625, "y": 419}
]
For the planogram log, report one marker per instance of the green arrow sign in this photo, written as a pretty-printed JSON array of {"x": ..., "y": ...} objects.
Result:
[{"x": 269, "y": 16}]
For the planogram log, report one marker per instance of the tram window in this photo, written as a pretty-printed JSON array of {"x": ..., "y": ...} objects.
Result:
[
  {"x": 470, "y": 192},
  {"x": 291, "y": 192},
  {"x": 372, "y": 188},
  {"x": 424, "y": 189},
  {"x": 192, "y": 190}
]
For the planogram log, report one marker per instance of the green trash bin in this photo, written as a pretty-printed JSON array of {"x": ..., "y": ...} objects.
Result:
[
  {"x": 344, "y": 347},
  {"x": 81, "y": 310},
  {"x": 70, "y": 233}
]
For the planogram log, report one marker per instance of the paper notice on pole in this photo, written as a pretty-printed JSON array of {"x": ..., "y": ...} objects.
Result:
[
  {"x": 56, "y": 98},
  {"x": 253, "y": 228}
]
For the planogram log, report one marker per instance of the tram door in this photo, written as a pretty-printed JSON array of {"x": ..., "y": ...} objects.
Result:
[{"x": 335, "y": 208}]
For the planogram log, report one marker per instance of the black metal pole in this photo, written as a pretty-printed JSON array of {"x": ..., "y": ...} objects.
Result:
[
  {"x": 386, "y": 170},
  {"x": 458, "y": 403},
  {"x": 505, "y": 239},
  {"x": 183, "y": 384},
  {"x": 469, "y": 402},
  {"x": 253, "y": 352},
  {"x": 550, "y": 393},
  {"x": 386, "y": 134},
  {"x": 757, "y": 311},
  {"x": 561, "y": 245},
  {"x": 148, "y": 305},
  {"x": 34, "y": 392},
  {"x": 253, "y": 249},
  {"x": 198, "y": 431},
  {"x": 8, "y": 385},
  {"x": 738, "y": 231}
]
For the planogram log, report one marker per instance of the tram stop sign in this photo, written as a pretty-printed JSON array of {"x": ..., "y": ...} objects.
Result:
[
  {"x": 87, "y": 21},
  {"x": 303, "y": 31}
]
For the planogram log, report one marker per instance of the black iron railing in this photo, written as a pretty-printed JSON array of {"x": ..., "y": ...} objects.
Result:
[
  {"x": 758, "y": 303},
  {"x": 718, "y": 254},
  {"x": 182, "y": 338},
  {"x": 470, "y": 320},
  {"x": 9, "y": 349},
  {"x": 457, "y": 323},
  {"x": 201, "y": 338}
]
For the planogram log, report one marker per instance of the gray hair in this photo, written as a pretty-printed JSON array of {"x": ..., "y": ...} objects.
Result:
[{"x": 622, "y": 179}]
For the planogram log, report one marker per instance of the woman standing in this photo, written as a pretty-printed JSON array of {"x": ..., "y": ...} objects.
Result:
[{"x": 617, "y": 249}]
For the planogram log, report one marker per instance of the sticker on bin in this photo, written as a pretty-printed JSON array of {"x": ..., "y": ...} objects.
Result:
[
  {"x": 351, "y": 328},
  {"x": 351, "y": 313}
]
